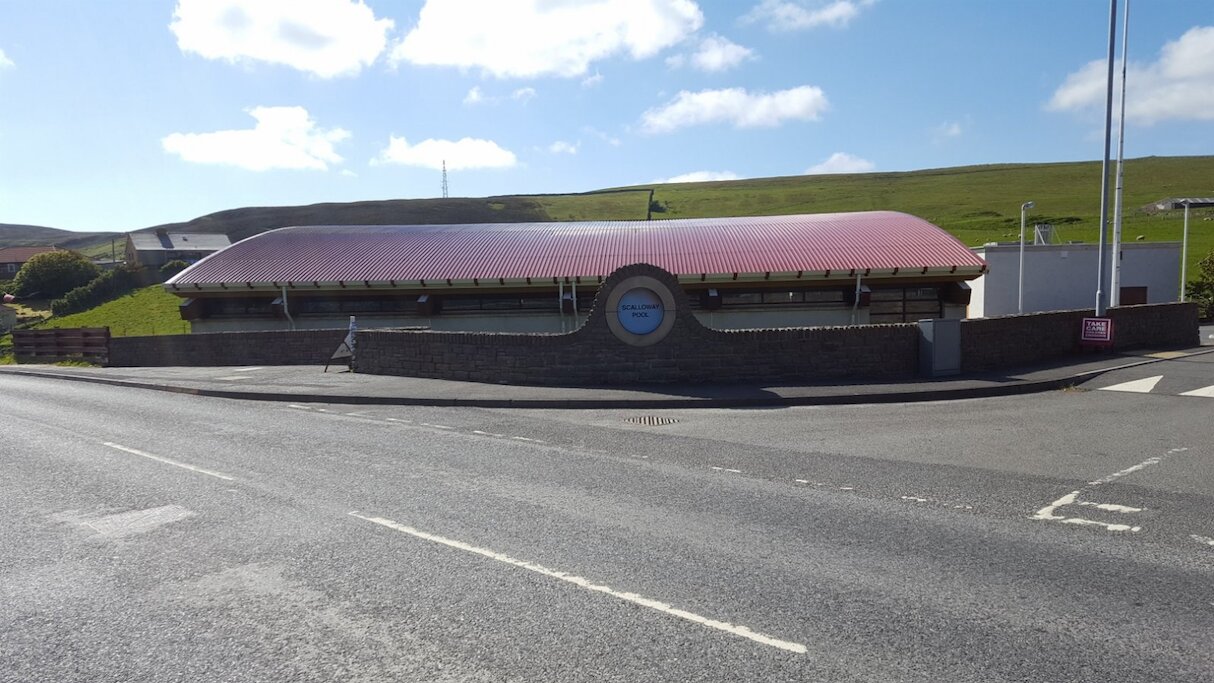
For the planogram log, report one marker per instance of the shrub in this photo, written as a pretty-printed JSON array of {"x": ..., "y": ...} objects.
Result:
[
  {"x": 110, "y": 285},
  {"x": 171, "y": 268},
  {"x": 53, "y": 273},
  {"x": 1201, "y": 290}
]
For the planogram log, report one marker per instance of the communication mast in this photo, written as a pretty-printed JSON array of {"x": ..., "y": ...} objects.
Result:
[{"x": 444, "y": 178}]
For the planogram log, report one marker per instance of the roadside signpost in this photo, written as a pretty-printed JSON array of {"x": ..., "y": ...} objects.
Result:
[
  {"x": 346, "y": 350},
  {"x": 1096, "y": 333}
]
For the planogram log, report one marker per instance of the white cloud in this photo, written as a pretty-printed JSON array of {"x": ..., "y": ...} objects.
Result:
[
  {"x": 948, "y": 129},
  {"x": 562, "y": 147},
  {"x": 609, "y": 139},
  {"x": 5, "y": 62},
  {"x": 1178, "y": 86},
  {"x": 591, "y": 81},
  {"x": 284, "y": 138},
  {"x": 715, "y": 53},
  {"x": 348, "y": 173},
  {"x": 736, "y": 106},
  {"x": 701, "y": 177},
  {"x": 787, "y": 15},
  {"x": 326, "y": 38},
  {"x": 477, "y": 96},
  {"x": 462, "y": 154},
  {"x": 841, "y": 162},
  {"x": 527, "y": 38}
]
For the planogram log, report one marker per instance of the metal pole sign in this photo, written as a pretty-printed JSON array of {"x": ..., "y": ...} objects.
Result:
[{"x": 346, "y": 350}]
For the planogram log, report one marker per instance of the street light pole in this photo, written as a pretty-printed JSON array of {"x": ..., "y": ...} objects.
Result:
[
  {"x": 1184, "y": 251},
  {"x": 1020, "y": 286},
  {"x": 1101, "y": 301},
  {"x": 1115, "y": 275}
]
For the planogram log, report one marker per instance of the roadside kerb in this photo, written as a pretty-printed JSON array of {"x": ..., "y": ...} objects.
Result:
[{"x": 774, "y": 400}]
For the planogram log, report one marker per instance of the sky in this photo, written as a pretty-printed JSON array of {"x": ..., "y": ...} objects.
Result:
[{"x": 126, "y": 114}]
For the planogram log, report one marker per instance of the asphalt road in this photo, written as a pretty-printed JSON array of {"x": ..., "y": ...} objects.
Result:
[{"x": 1066, "y": 536}]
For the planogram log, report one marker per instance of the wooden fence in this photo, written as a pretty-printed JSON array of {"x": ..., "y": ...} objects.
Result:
[{"x": 90, "y": 344}]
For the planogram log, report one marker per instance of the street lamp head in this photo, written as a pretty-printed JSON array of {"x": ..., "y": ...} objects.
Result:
[{"x": 1027, "y": 205}]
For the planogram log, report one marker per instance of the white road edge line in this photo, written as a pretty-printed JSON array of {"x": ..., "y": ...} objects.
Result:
[
  {"x": 727, "y": 627},
  {"x": 167, "y": 461},
  {"x": 1204, "y": 540}
]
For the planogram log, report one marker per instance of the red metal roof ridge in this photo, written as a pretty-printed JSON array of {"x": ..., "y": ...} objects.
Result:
[{"x": 810, "y": 243}]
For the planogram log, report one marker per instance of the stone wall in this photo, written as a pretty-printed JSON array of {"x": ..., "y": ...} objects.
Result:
[
  {"x": 691, "y": 353},
  {"x": 1020, "y": 340},
  {"x": 300, "y": 347}
]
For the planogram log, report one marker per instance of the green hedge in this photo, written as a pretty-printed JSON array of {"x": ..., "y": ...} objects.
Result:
[{"x": 109, "y": 285}]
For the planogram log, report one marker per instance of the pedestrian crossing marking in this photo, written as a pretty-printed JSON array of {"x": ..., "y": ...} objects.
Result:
[
  {"x": 1204, "y": 391},
  {"x": 1138, "y": 386}
]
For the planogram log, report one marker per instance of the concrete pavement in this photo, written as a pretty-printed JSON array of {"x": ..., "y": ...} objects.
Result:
[{"x": 309, "y": 384}]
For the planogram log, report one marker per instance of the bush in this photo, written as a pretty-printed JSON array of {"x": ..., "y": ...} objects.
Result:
[
  {"x": 1201, "y": 290},
  {"x": 53, "y": 273},
  {"x": 171, "y": 268},
  {"x": 110, "y": 285}
]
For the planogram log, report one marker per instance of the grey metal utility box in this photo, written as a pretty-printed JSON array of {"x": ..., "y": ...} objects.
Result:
[{"x": 939, "y": 347}]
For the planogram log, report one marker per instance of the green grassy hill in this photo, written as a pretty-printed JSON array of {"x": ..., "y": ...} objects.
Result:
[
  {"x": 12, "y": 235},
  {"x": 978, "y": 204},
  {"x": 149, "y": 310}
]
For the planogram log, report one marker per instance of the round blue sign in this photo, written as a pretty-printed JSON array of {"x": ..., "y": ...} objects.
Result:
[{"x": 640, "y": 311}]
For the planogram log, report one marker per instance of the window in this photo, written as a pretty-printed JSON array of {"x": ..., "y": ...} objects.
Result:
[{"x": 904, "y": 304}]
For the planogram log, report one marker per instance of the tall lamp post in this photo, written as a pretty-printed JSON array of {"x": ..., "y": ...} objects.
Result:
[
  {"x": 1101, "y": 299},
  {"x": 1184, "y": 251},
  {"x": 1020, "y": 287}
]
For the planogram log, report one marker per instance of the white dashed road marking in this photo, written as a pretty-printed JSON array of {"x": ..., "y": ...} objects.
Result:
[
  {"x": 398, "y": 420},
  {"x": 1204, "y": 540},
  {"x": 580, "y": 582},
  {"x": 1207, "y": 392},
  {"x": 167, "y": 461}
]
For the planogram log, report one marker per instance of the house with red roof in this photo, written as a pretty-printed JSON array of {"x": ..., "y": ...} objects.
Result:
[{"x": 12, "y": 258}]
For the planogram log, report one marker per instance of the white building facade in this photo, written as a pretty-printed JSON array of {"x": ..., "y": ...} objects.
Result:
[{"x": 1061, "y": 277}]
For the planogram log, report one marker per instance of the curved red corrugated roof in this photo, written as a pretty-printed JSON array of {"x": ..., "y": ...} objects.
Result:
[{"x": 816, "y": 243}]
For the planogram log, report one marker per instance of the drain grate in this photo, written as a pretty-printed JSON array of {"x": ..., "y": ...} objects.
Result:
[{"x": 651, "y": 420}]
